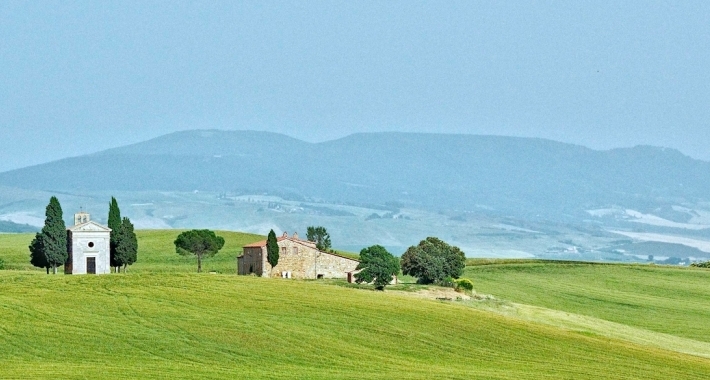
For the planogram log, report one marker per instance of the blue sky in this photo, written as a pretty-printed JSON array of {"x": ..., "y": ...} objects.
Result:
[{"x": 80, "y": 77}]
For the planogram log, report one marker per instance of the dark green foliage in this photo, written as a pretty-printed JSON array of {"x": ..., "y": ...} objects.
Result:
[
  {"x": 701, "y": 265},
  {"x": 320, "y": 236},
  {"x": 2, "y": 264},
  {"x": 49, "y": 247},
  {"x": 126, "y": 245},
  {"x": 52, "y": 241},
  {"x": 272, "y": 249},
  {"x": 114, "y": 223},
  {"x": 377, "y": 266},
  {"x": 37, "y": 257},
  {"x": 201, "y": 243},
  {"x": 464, "y": 284},
  {"x": 433, "y": 260}
]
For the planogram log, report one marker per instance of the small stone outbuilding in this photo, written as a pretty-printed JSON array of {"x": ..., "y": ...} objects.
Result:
[
  {"x": 297, "y": 259},
  {"x": 89, "y": 247}
]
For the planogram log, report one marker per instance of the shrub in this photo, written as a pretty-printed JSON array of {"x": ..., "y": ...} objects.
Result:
[
  {"x": 701, "y": 265},
  {"x": 464, "y": 284},
  {"x": 448, "y": 282},
  {"x": 2, "y": 264}
]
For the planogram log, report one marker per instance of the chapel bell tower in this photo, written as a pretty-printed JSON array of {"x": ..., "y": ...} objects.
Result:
[{"x": 81, "y": 217}]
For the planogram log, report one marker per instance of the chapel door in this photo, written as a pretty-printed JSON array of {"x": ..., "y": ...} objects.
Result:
[{"x": 91, "y": 265}]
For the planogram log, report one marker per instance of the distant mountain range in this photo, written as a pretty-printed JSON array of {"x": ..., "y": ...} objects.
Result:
[{"x": 522, "y": 176}]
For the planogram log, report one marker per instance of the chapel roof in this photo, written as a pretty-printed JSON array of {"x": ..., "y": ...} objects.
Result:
[{"x": 89, "y": 226}]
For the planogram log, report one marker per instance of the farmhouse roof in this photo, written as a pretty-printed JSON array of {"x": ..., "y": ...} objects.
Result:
[
  {"x": 261, "y": 243},
  {"x": 308, "y": 243}
]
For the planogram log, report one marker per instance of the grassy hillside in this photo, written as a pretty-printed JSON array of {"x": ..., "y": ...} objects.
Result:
[
  {"x": 224, "y": 326},
  {"x": 664, "y": 299},
  {"x": 156, "y": 252},
  {"x": 162, "y": 320}
]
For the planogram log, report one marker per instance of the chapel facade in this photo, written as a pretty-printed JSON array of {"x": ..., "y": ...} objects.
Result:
[{"x": 89, "y": 247}]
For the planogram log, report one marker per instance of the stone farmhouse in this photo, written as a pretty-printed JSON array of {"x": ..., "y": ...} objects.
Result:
[
  {"x": 89, "y": 245},
  {"x": 297, "y": 259}
]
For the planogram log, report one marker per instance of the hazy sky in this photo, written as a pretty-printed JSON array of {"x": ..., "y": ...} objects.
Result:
[{"x": 84, "y": 76}]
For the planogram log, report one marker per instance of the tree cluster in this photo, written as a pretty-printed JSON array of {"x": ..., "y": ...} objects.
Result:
[
  {"x": 432, "y": 261},
  {"x": 320, "y": 236},
  {"x": 124, "y": 243},
  {"x": 49, "y": 247}
]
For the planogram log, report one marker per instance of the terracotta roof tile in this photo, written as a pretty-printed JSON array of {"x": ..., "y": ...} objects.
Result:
[
  {"x": 310, "y": 244},
  {"x": 262, "y": 243},
  {"x": 256, "y": 245}
]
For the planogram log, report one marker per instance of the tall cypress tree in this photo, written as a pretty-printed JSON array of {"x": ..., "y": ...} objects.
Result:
[
  {"x": 126, "y": 245},
  {"x": 114, "y": 223},
  {"x": 53, "y": 240},
  {"x": 272, "y": 249}
]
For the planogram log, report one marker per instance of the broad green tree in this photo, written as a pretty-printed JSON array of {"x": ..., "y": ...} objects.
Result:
[
  {"x": 49, "y": 247},
  {"x": 433, "y": 260},
  {"x": 377, "y": 266},
  {"x": 114, "y": 223},
  {"x": 320, "y": 236},
  {"x": 126, "y": 245},
  {"x": 201, "y": 243},
  {"x": 272, "y": 249}
]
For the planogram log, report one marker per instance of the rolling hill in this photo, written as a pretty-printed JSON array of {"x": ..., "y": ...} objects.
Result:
[
  {"x": 545, "y": 321},
  {"x": 520, "y": 176}
]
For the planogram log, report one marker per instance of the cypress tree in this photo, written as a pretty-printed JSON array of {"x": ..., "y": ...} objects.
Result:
[
  {"x": 272, "y": 249},
  {"x": 126, "y": 244},
  {"x": 53, "y": 240},
  {"x": 37, "y": 257},
  {"x": 114, "y": 223}
]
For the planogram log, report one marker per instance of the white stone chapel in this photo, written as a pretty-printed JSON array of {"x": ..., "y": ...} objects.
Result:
[{"x": 89, "y": 247}]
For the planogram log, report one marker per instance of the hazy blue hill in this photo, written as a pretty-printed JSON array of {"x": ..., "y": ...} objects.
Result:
[
  {"x": 10, "y": 227},
  {"x": 512, "y": 175},
  {"x": 210, "y": 143}
]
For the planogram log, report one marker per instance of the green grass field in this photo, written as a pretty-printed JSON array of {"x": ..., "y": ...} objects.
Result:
[
  {"x": 664, "y": 299},
  {"x": 159, "y": 320},
  {"x": 190, "y": 326}
]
